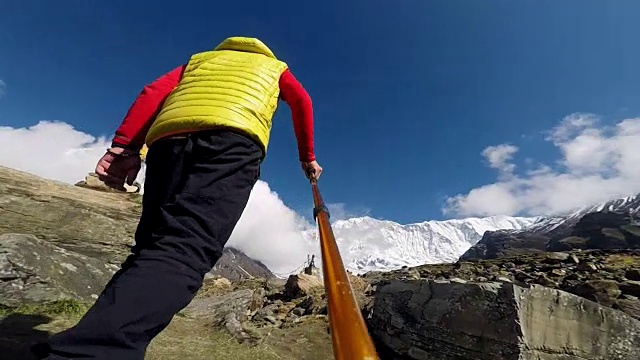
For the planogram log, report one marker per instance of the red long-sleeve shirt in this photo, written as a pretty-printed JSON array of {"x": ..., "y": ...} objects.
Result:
[{"x": 133, "y": 130}]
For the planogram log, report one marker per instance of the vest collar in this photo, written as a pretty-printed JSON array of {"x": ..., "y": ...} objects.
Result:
[{"x": 246, "y": 44}]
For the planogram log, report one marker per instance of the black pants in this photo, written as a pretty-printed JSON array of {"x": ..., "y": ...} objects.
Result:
[{"x": 196, "y": 188}]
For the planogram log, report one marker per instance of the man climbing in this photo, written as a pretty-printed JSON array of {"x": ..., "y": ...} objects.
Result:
[{"x": 207, "y": 126}]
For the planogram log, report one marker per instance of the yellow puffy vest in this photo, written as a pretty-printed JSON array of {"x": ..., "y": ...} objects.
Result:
[{"x": 234, "y": 86}]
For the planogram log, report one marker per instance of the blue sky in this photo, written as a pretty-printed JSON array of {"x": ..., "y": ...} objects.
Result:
[{"x": 407, "y": 94}]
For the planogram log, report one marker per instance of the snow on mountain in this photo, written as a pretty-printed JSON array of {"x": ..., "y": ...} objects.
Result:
[
  {"x": 368, "y": 244},
  {"x": 629, "y": 204}
]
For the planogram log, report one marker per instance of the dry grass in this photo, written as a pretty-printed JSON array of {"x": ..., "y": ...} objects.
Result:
[
  {"x": 623, "y": 261},
  {"x": 192, "y": 339}
]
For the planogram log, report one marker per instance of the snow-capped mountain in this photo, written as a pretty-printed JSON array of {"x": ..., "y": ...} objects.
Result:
[
  {"x": 368, "y": 244},
  {"x": 538, "y": 235}
]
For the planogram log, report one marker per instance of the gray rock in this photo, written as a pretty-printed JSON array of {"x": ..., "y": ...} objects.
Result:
[
  {"x": 427, "y": 320},
  {"x": 238, "y": 331},
  {"x": 300, "y": 285},
  {"x": 574, "y": 258},
  {"x": 298, "y": 311},
  {"x": 217, "y": 308},
  {"x": 33, "y": 270},
  {"x": 631, "y": 287},
  {"x": 556, "y": 257}
]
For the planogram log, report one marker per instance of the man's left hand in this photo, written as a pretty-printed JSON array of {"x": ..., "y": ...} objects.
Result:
[{"x": 118, "y": 166}]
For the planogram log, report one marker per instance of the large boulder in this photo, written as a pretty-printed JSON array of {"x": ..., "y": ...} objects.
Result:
[
  {"x": 33, "y": 270},
  {"x": 417, "y": 319},
  {"x": 300, "y": 285}
]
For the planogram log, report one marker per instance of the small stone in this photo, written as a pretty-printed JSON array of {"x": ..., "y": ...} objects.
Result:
[
  {"x": 545, "y": 281},
  {"x": 306, "y": 304},
  {"x": 604, "y": 292},
  {"x": 630, "y": 288},
  {"x": 572, "y": 276},
  {"x": 633, "y": 274},
  {"x": 587, "y": 267},
  {"x": 558, "y": 272},
  {"x": 575, "y": 258},
  {"x": 503, "y": 279},
  {"x": 556, "y": 257},
  {"x": 298, "y": 311},
  {"x": 257, "y": 299},
  {"x": 523, "y": 277}
]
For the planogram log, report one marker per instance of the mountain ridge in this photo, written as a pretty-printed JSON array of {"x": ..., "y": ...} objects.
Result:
[{"x": 546, "y": 230}]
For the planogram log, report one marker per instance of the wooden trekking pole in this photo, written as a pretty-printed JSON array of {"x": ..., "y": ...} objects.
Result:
[{"x": 349, "y": 333}]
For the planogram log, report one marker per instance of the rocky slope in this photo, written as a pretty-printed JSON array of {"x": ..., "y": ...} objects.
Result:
[
  {"x": 618, "y": 217},
  {"x": 494, "y": 309},
  {"x": 59, "y": 244},
  {"x": 97, "y": 224},
  {"x": 609, "y": 277}
]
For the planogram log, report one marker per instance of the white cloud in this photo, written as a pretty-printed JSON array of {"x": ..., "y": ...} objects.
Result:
[
  {"x": 499, "y": 156},
  {"x": 51, "y": 149},
  {"x": 340, "y": 211},
  {"x": 597, "y": 163},
  {"x": 3, "y": 88},
  {"x": 268, "y": 231}
]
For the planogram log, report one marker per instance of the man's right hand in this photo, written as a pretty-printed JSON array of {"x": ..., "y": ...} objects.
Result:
[{"x": 312, "y": 170}]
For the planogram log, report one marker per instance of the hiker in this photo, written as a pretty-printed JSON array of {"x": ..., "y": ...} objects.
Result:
[{"x": 207, "y": 126}]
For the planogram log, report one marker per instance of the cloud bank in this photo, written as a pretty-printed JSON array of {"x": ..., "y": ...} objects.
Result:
[
  {"x": 596, "y": 163},
  {"x": 268, "y": 230}
]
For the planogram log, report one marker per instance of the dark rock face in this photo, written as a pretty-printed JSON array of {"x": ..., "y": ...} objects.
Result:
[
  {"x": 429, "y": 320},
  {"x": 495, "y": 244},
  {"x": 602, "y": 230},
  {"x": 597, "y": 230}
]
